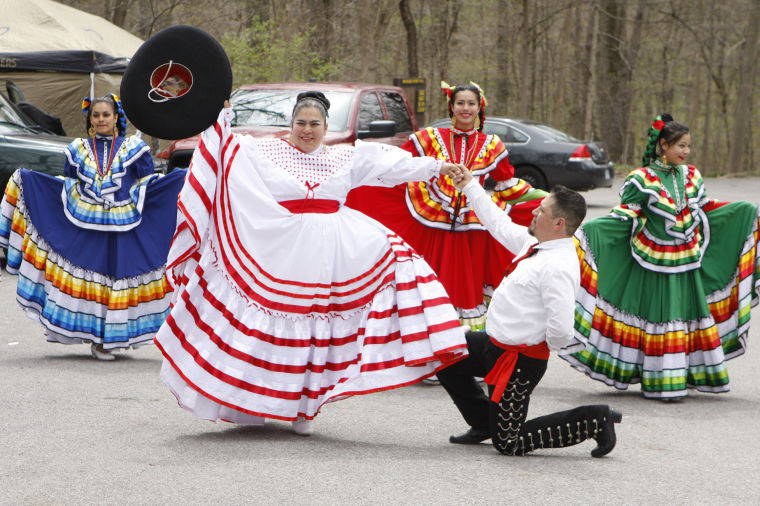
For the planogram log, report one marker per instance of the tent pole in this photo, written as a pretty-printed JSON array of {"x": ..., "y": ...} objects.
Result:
[{"x": 92, "y": 85}]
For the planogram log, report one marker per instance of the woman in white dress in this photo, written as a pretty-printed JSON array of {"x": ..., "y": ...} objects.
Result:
[{"x": 284, "y": 298}]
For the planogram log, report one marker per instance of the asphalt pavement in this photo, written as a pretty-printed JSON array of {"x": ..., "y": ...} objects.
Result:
[{"x": 78, "y": 431}]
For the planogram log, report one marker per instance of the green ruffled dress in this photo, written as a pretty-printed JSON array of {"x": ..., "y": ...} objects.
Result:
[{"x": 667, "y": 282}]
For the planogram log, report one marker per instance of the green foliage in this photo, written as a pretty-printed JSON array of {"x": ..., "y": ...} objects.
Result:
[{"x": 262, "y": 53}]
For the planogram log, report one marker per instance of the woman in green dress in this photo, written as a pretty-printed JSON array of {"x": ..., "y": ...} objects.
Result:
[{"x": 668, "y": 278}]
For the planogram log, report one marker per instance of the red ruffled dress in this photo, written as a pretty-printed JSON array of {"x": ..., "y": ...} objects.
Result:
[{"x": 437, "y": 221}]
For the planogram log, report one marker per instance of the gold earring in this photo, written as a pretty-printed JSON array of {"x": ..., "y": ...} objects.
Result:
[
  {"x": 453, "y": 122},
  {"x": 91, "y": 131},
  {"x": 477, "y": 122},
  {"x": 115, "y": 131},
  {"x": 664, "y": 160}
]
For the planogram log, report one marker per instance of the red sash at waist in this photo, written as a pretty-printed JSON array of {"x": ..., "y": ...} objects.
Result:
[
  {"x": 502, "y": 370},
  {"x": 320, "y": 206}
]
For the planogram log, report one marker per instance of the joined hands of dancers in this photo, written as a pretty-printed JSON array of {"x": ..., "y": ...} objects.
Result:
[{"x": 460, "y": 175}]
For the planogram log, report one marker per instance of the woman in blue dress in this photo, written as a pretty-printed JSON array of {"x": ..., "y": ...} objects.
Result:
[{"x": 90, "y": 249}]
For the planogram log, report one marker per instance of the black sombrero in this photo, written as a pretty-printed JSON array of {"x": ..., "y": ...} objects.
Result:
[{"x": 176, "y": 83}]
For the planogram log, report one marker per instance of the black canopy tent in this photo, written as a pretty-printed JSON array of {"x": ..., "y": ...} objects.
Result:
[{"x": 82, "y": 61}]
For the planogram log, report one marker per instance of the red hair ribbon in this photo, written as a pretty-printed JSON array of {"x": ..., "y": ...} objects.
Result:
[{"x": 483, "y": 101}]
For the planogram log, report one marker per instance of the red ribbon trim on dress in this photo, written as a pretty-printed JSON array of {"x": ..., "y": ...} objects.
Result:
[
  {"x": 319, "y": 206},
  {"x": 502, "y": 370}
]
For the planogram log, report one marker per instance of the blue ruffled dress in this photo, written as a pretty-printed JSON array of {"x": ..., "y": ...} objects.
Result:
[{"x": 90, "y": 249}]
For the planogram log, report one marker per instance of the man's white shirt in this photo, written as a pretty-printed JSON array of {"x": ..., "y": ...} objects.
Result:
[{"x": 536, "y": 302}]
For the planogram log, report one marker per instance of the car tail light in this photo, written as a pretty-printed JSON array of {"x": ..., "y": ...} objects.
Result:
[{"x": 580, "y": 154}]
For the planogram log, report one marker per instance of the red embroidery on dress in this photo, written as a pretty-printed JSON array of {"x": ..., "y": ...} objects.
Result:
[
  {"x": 310, "y": 189},
  {"x": 306, "y": 167}
]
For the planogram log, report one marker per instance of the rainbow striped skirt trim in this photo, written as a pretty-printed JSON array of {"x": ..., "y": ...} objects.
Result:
[
  {"x": 669, "y": 332},
  {"x": 75, "y": 304}
]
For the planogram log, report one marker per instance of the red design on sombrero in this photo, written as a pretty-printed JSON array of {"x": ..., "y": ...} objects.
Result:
[{"x": 170, "y": 80}]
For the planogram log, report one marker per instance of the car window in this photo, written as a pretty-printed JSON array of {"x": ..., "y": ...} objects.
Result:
[
  {"x": 493, "y": 128},
  {"x": 397, "y": 111},
  {"x": 274, "y": 107},
  {"x": 553, "y": 133},
  {"x": 370, "y": 111},
  {"x": 516, "y": 136},
  {"x": 8, "y": 114},
  {"x": 505, "y": 132}
]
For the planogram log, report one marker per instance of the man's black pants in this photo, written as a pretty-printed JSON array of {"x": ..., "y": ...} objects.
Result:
[{"x": 506, "y": 421}]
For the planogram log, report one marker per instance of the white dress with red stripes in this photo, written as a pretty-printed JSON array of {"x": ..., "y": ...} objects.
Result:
[{"x": 285, "y": 299}]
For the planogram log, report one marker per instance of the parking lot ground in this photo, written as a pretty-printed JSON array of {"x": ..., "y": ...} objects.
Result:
[{"x": 78, "y": 431}]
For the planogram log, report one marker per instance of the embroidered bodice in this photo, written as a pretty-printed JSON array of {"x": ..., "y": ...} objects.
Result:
[
  {"x": 439, "y": 203},
  {"x": 105, "y": 181},
  {"x": 670, "y": 230}
]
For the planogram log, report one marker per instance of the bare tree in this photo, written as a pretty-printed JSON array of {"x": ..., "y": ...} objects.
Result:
[
  {"x": 411, "y": 36},
  {"x": 595, "y": 68},
  {"x": 526, "y": 57},
  {"x": 593, "y": 52},
  {"x": 618, "y": 56},
  {"x": 505, "y": 50},
  {"x": 746, "y": 79},
  {"x": 560, "y": 72},
  {"x": 119, "y": 12}
]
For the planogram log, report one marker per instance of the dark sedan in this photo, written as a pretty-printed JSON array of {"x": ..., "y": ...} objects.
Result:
[
  {"x": 544, "y": 156},
  {"x": 23, "y": 146}
]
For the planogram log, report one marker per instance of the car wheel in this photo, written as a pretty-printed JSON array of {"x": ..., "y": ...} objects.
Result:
[{"x": 533, "y": 176}]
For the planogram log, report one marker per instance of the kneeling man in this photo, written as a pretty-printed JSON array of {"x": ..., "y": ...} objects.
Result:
[{"x": 531, "y": 312}]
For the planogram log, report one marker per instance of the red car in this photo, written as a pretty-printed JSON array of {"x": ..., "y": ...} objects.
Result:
[{"x": 357, "y": 111}]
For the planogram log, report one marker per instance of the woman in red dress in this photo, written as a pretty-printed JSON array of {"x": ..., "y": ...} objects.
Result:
[{"x": 436, "y": 219}]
